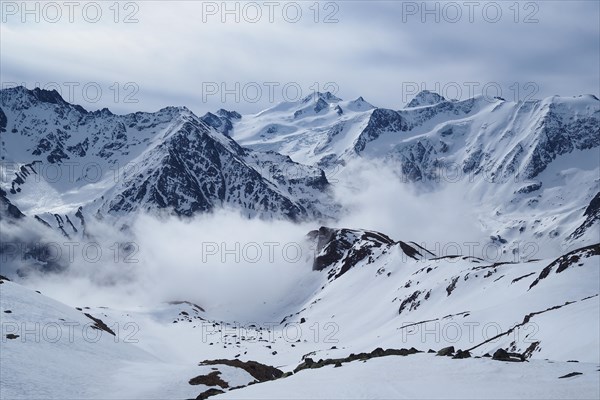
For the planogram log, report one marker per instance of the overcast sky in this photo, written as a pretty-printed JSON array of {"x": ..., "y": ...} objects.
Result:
[{"x": 145, "y": 55}]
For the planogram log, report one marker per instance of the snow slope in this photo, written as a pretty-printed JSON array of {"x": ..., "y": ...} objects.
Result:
[
  {"x": 425, "y": 376},
  {"x": 373, "y": 293}
]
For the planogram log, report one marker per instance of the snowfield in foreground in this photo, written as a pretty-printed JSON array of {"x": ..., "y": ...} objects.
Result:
[
  {"x": 370, "y": 330},
  {"x": 427, "y": 376}
]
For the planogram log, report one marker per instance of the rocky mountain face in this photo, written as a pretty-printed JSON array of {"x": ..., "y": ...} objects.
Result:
[
  {"x": 401, "y": 289},
  {"x": 169, "y": 160},
  {"x": 347, "y": 247},
  {"x": 592, "y": 216},
  {"x": 64, "y": 168},
  {"x": 531, "y": 167},
  {"x": 191, "y": 172}
]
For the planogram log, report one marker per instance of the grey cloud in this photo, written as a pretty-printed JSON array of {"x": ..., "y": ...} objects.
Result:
[{"x": 371, "y": 51}]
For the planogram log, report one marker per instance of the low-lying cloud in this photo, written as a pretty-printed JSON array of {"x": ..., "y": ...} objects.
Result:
[{"x": 240, "y": 269}]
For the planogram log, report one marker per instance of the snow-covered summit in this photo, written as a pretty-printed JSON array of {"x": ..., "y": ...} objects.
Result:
[{"x": 425, "y": 98}]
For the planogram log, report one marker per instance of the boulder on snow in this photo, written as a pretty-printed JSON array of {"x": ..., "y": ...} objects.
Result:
[
  {"x": 446, "y": 351},
  {"x": 570, "y": 375},
  {"x": 210, "y": 392},
  {"x": 378, "y": 352},
  {"x": 503, "y": 355},
  {"x": 211, "y": 379},
  {"x": 462, "y": 354}
]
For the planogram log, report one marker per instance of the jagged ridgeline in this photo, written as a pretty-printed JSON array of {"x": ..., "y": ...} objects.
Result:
[
  {"x": 538, "y": 155},
  {"x": 170, "y": 159}
]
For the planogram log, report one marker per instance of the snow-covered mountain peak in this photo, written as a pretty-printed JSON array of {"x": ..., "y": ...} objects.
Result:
[
  {"x": 518, "y": 152},
  {"x": 425, "y": 98},
  {"x": 325, "y": 96},
  {"x": 348, "y": 247},
  {"x": 359, "y": 104},
  {"x": 228, "y": 114},
  {"x": 312, "y": 104},
  {"x": 20, "y": 98}
]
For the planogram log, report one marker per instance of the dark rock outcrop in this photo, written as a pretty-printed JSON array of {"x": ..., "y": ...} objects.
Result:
[
  {"x": 446, "y": 351},
  {"x": 211, "y": 379},
  {"x": 503, "y": 355},
  {"x": 260, "y": 372},
  {"x": 566, "y": 261}
]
